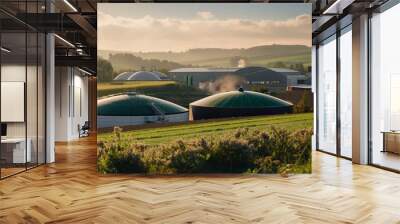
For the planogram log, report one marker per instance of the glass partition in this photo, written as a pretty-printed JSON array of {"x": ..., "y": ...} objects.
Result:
[
  {"x": 14, "y": 153},
  {"x": 41, "y": 97},
  {"x": 22, "y": 88},
  {"x": 327, "y": 95},
  {"x": 385, "y": 89},
  {"x": 346, "y": 92},
  {"x": 31, "y": 97}
]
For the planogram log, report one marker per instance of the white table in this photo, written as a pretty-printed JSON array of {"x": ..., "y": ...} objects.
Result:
[{"x": 19, "y": 153}]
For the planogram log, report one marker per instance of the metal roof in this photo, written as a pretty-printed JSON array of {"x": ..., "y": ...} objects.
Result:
[
  {"x": 232, "y": 70},
  {"x": 123, "y": 76},
  {"x": 132, "y": 104},
  {"x": 205, "y": 70},
  {"x": 160, "y": 74},
  {"x": 284, "y": 70},
  {"x": 140, "y": 76},
  {"x": 301, "y": 86},
  {"x": 144, "y": 76},
  {"x": 241, "y": 99}
]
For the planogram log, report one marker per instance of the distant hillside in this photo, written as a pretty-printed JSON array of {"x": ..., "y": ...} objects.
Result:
[
  {"x": 129, "y": 62},
  {"x": 216, "y": 57}
]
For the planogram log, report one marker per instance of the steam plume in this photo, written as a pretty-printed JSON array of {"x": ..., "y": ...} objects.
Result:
[{"x": 223, "y": 84}]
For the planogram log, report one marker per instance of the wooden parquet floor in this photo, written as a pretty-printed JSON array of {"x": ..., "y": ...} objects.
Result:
[{"x": 70, "y": 191}]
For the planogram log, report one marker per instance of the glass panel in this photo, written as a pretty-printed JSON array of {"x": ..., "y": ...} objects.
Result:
[
  {"x": 23, "y": 90},
  {"x": 41, "y": 98},
  {"x": 385, "y": 84},
  {"x": 31, "y": 98},
  {"x": 346, "y": 93},
  {"x": 13, "y": 86},
  {"x": 327, "y": 96},
  {"x": 32, "y": 86},
  {"x": 314, "y": 90}
]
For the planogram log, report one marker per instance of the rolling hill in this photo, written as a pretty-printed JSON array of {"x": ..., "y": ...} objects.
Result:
[{"x": 217, "y": 57}]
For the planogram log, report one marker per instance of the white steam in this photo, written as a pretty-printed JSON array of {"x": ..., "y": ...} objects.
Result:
[{"x": 223, "y": 84}]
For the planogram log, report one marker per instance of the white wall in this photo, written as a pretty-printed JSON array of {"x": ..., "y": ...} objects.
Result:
[
  {"x": 61, "y": 103},
  {"x": 33, "y": 125},
  {"x": 11, "y": 73},
  {"x": 71, "y": 87}
]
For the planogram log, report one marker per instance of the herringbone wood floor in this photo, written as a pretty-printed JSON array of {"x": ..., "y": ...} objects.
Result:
[{"x": 70, "y": 191}]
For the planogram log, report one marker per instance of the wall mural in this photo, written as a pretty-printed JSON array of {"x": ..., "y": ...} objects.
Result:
[{"x": 204, "y": 88}]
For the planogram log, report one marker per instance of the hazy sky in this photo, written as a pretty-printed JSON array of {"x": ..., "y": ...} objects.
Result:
[{"x": 179, "y": 26}]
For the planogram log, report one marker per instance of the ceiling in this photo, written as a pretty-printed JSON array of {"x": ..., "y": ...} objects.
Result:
[{"x": 75, "y": 21}]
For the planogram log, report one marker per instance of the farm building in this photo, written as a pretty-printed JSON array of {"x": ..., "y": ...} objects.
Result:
[
  {"x": 144, "y": 76},
  {"x": 135, "y": 109},
  {"x": 123, "y": 76},
  {"x": 161, "y": 75},
  {"x": 141, "y": 76},
  {"x": 275, "y": 80},
  {"x": 293, "y": 77},
  {"x": 236, "y": 104}
]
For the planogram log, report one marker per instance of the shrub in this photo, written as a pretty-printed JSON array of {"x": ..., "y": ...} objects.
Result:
[
  {"x": 114, "y": 160},
  {"x": 244, "y": 150},
  {"x": 190, "y": 158},
  {"x": 231, "y": 155},
  {"x": 157, "y": 161},
  {"x": 266, "y": 165},
  {"x": 117, "y": 157},
  {"x": 262, "y": 144}
]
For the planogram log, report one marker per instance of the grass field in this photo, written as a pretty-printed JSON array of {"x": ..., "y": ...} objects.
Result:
[
  {"x": 108, "y": 88},
  {"x": 215, "y": 127},
  {"x": 131, "y": 85}
]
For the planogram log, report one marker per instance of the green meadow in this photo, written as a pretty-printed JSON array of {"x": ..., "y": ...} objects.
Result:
[{"x": 186, "y": 131}]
